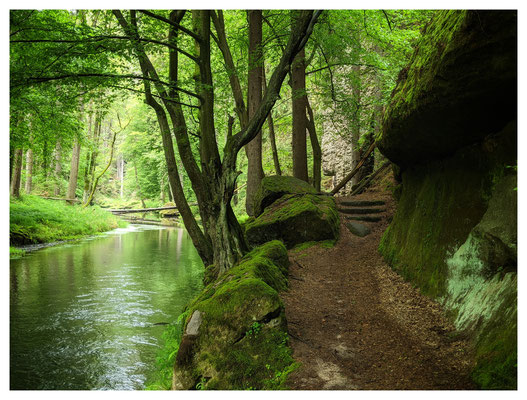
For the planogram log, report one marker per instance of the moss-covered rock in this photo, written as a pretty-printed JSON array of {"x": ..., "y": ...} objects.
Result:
[
  {"x": 482, "y": 289},
  {"x": 450, "y": 126},
  {"x": 273, "y": 187},
  {"x": 242, "y": 337},
  {"x": 459, "y": 86},
  {"x": 295, "y": 219}
]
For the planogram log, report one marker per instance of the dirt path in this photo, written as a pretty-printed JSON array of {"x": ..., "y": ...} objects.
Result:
[{"x": 355, "y": 324}]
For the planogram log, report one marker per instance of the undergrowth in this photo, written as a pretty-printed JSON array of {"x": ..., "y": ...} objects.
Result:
[{"x": 36, "y": 220}]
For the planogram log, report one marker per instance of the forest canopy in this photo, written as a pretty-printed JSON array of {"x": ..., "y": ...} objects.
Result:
[{"x": 141, "y": 107}]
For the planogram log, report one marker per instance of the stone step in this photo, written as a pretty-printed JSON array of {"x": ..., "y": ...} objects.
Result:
[
  {"x": 362, "y": 203},
  {"x": 361, "y": 210},
  {"x": 365, "y": 218}
]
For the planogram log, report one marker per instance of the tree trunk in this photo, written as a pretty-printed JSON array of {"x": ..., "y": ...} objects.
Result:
[
  {"x": 272, "y": 136},
  {"x": 200, "y": 241},
  {"x": 214, "y": 182},
  {"x": 29, "y": 171},
  {"x": 96, "y": 181},
  {"x": 17, "y": 173},
  {"x": 89, "y": 156},
  {"x": 355, "y": 123},
  {"x": 11, "y": 161},
  {"x": 95, "y": 153},
  {"x": 74, "y": 169},
  {"x": 58, "y": 169},
  {"x": 254, "y": 95},
  {"x": 120, "y": 174},
  {"x": 317, "y": 150},
  {"x": 299, "y": 145}
]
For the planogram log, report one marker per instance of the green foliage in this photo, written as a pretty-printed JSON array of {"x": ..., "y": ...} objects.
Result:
[
  {"x": 36, "y": 220},
  {"x": 162, "y": 379},
  {"x": 254, "y": 330},
  {"x": 296, "y": 219},
  {"x": 16, "y": 252}
]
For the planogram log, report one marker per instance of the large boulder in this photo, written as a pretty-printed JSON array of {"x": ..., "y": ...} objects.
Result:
[
  {"x": 235, "y": 331},
  {"x": 273, "y": 187},
  {"x": 460, "y": 86},
  {"x": 451, "y": 128},
  {"x": 295, "y": 219},
  {"x": 482, "y": 288}
]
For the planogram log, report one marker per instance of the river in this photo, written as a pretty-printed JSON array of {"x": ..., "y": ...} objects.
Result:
[{"x": 83, "y": 315}]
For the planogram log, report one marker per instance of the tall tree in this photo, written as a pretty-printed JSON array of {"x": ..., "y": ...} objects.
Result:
[
  {"x": 214, "y": 177},
  {"x": 29, "y": 171},
  {"x": 17, "y": 173},
  {"x": 315, "y": 145},
  {"x": 74, "y": 169},
  {"x": 272, "y": 135},
  {"x": 299, "y": 144},
  {"x": 254, "y": 95},
  {"x": 58, "y": 169}
]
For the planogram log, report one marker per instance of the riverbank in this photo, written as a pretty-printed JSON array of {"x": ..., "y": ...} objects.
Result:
[{"x": 34, "y": 220}]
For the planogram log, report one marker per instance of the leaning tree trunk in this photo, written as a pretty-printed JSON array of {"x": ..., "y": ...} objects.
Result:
[
  {"x": 272, "y": 136},
  {"x": 17, "y": 173},
  {"x": 254, "y": 95},
  {"x": 214, "y": 179},
  {"x": 74, "y": 170},
  {"x": 299, "y": 143},
  {"x": 315, "y": 145}
]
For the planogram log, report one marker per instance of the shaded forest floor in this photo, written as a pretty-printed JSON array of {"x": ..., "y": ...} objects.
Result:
[{"x": 356, "y": 324}]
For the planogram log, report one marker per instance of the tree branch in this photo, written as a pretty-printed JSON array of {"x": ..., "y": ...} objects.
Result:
[
  {"x": 299, "y": 36},
  {"x": 173, "y": 23},
  {"x": 236, "y": 88}
]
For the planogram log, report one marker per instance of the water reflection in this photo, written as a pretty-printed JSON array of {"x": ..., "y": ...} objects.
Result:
[{"x": 82, "y": 315}]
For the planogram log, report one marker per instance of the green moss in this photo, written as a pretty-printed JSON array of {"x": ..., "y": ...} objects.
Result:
[
  {"x": 210, "y": 274},
  {"x": 325, "y": 244},
  {"x": 440, "y": 204},
  {"x": 245, "y": 366},
  {"x": 242, "y": 342},
  {"x": 459, "y": 87},
  {"x": 497, "y": 362},
  {"x": 295, "y": 219},
  {"x": 274, "y": 187},
  {"x": 273, "y": 250}
]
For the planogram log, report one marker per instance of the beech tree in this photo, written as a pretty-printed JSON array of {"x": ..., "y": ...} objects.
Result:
[
  {"x": 254, "y": 93},
  {"x": 213, "y": 177}
]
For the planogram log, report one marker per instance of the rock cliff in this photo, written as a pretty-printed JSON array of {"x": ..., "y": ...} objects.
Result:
[{"x": 451, "y": 128}]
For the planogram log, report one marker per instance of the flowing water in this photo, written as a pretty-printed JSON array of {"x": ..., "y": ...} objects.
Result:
[{"x": 90, "y": 315}]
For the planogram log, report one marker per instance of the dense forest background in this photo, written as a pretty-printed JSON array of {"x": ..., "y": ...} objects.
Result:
[{"x": 140, "y": 108}]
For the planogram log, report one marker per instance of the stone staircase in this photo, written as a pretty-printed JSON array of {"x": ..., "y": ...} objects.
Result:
[{"x": 363, "y": 211}]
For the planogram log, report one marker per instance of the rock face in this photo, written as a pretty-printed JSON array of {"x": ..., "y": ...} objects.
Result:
[
  {"x": 296, "y": 219},
  {"x": 235, "y": 330},
  {"x": 451, "y": 128},
  {"x": 460, "y": 87},
  {"x": 273, "y": 187}
]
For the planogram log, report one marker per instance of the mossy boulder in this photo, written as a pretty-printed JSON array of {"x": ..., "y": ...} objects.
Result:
[
  {"x": 451, "y": 129},
  {"x": 242, "y": 338},
  {"x": 296, "y": 219},
  {"x": 482, "y": 288},
  {"x": 273, "y": 187},
  {"x": 460, "y": 86}
]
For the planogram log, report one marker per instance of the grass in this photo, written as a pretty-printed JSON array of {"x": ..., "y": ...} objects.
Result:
[
  {"x": 16, "y": 252},
  {"x": 36, "y": 220}
]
